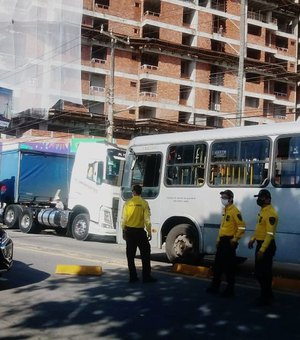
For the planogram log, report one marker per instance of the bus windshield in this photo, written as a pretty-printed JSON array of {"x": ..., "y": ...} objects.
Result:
[
  {"x": 143, "y": 170},
  {"x": 114, "y": 165}
]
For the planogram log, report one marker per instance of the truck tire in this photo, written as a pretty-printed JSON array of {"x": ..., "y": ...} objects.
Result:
[
  {"x": 182, "y": 244},
  {"x": 12, "y": 215},
  {"x": 27, "y": 224},
  {"x": 80, "y": 227}
]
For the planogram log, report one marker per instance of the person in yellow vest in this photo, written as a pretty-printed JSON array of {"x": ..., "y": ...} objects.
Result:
[
  {"x": 231, "y": 230},
  {"x": 264, "y": 236},
  {"x": 135, "y": 217}
]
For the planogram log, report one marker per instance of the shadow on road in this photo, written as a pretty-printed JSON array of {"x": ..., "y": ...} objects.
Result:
[
  {"x": 173, "y": 308},
  {"x": 21, "y": 275}
]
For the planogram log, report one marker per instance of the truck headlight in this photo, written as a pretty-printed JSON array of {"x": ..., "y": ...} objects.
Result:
[{"x": 107, "y": 217}]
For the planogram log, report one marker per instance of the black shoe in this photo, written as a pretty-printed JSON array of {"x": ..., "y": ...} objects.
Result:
[
  {"x": 264, "y": 302},
  {"x": 149, "y": 280},
  {"x": 212, "y": 290},
  {"x": 133, "y": 280},
  {"x": 227, "y": 293}
]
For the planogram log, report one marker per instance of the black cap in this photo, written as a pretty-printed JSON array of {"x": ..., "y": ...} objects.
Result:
[
  {"x": 264, "y": 193},
  {"x": 228, "y": 193},
  {"x": 137, "y": 189}
]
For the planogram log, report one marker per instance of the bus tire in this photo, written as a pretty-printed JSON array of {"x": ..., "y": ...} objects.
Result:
[
  {"x": 182, "y": 244},
  {"x": 27, "y": 224},
  {"x": 80, "y": 227},
  {"x": 12, "y": 215}
]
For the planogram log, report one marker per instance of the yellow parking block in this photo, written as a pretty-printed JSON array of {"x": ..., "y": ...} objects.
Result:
[
  {"x": 192, "y": 270},
  {"x": 67, "y": 269},
  {"x": 292, "y": 285}
]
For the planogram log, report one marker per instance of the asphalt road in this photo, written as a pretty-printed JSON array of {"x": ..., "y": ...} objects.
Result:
[{"x": 36, "y": 303}]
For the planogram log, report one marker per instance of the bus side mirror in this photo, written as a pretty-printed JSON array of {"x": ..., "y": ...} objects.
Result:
[{"x": 100, "y": 172}]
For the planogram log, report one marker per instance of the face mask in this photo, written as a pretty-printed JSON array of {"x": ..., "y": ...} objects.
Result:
[
  {"x": 260, "y": 202},
  {"x": 225, "y": 201}
]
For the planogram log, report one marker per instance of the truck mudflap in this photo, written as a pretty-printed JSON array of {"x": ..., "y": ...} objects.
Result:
[{"x": 53, "y": 217}]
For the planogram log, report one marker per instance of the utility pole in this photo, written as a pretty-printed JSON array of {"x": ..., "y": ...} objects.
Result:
[
  {"x": 241, "y": 74},
  {"x": 111, "y": 94},
  {"x": 111, "y": 91}
]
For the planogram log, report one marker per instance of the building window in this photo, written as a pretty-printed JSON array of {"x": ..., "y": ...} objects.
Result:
[
  {"x": 102, "y": 3},
  {"x": 253, "y": 54},
  {"x": 253, "y": 78},
  {"x": 254, "y": 30},
  {"x": 150, "y": 31},
  {"x": 252, "y": 102}
]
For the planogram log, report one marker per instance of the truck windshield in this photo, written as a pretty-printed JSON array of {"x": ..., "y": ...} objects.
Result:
[{"x": 114, "y": 166}]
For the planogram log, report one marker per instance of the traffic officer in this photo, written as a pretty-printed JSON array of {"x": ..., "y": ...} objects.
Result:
[
  {"x": 135, "y": 217},
  {"x": 264, "y": 235},
  {"x": 231, "y": 230}
]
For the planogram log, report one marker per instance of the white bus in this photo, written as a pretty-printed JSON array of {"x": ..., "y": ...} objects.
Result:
[{"x": 182, "y": 175}]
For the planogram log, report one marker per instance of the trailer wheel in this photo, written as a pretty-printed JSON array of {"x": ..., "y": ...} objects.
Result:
[
  {"x": 27, "y": 224},
  {"x": 80, "y": 227},
  {"x": 12, "y": 215},
  {"x": 182, "y": 244}
]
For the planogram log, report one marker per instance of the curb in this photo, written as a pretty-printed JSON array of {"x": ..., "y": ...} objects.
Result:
[
  {"x": 66, "y": 269},
  {"x": 280, "y": 283},
  {"x": 292, "y": 285},
  {"x": 199, "y": 271}
]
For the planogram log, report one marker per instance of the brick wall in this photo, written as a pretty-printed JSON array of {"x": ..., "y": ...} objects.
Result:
[
  {"x": 201, "y": 98},
  {"x": 171, "y": 14},
  {"x": 170, "y": 35}
]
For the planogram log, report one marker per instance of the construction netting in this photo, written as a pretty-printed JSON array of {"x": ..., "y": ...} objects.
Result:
[{"x": 40, "y": 55}]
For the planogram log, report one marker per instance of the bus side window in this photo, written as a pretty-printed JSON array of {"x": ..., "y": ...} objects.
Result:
[
  {"x": 186, "y": 165},
  {"x": 172, "y": 175},
  {"x": 240, "y": 163},
  {"x": 287, "y": 162}
]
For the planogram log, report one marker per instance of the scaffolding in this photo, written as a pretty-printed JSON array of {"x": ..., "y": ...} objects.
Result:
[{"x": 40, "y": 54}]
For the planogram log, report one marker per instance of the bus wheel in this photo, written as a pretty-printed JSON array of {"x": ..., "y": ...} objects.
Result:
[
  {"x": 182, "y": 244},
  {"x": 12, "y": 215},
  {"x": 27, "y": 224},
  {"x": 80, "y": 227}
]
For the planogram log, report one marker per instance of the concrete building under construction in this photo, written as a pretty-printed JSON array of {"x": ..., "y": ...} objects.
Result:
[{"x": 151, "y": 66}]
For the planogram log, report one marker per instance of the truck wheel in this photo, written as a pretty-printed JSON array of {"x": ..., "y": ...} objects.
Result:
[
  {"x": 27, "y": 224},
  {"x": 182, "y": 244},
  {"x": 12, "y": 215},
  {"x": 80, "y": 227}
]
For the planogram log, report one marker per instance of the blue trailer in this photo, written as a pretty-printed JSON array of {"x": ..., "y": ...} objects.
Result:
[{"x": 31, "y": 174}]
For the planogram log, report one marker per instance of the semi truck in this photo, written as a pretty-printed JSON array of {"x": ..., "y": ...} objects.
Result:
[{"x": 49, "y": 187}]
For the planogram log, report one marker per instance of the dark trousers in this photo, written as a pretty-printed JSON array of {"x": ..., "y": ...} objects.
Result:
[
  {"x": 224, "y": 263},
  {"x": 137, "y": 238},
  {"x": 263, "y": 269}
]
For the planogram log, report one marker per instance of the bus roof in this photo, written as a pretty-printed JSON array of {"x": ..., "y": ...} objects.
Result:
[{"x": 272, "y": 129}]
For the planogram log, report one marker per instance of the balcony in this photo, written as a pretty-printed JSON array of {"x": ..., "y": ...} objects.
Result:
[
  {"x": 148, "y": 94},
  {"x": 153, "y": 14},
  {"x": 96, "y": 90},
  {"x": 148, "y": 67},
  {"x": 280, "y": 94},
  {"x": 98, "y": 61}
]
